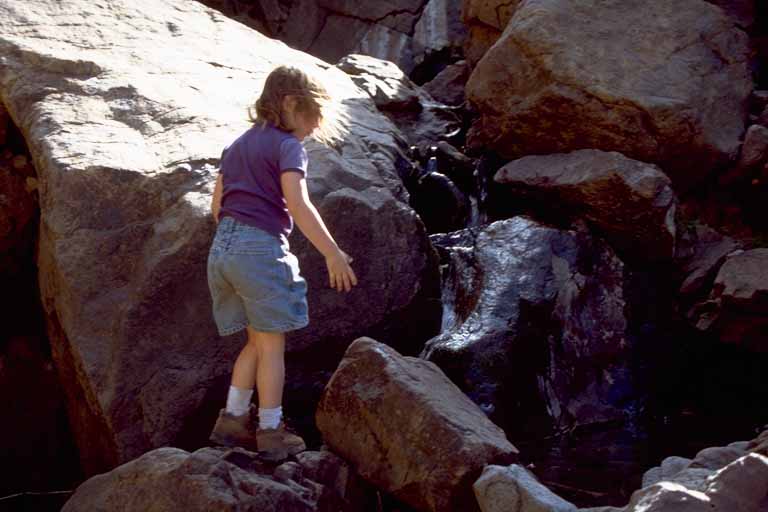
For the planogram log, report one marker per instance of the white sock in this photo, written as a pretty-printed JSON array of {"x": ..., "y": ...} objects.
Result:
[
  {"x": 238, "y": 400},
  {"x": 270, "y": 418}
]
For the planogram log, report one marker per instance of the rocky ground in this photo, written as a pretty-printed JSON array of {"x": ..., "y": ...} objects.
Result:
[{"x": 556, "y": 211}]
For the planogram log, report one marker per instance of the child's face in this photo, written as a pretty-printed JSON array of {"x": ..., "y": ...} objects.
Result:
[{"x": 302, "y": 124}]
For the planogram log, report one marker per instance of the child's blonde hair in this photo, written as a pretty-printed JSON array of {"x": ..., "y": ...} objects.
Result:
[{"x": 312, "y": 99}]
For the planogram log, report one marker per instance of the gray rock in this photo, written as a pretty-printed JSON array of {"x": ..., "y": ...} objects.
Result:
[
  {"x": 755, "y": 149},
  {"x": 407, "y": 429},
  {"x": 741, "y": 485},
  {"x": 550, "y": 86},
  {"x": 630, "y": 203},
  {"x": 170, "y": 479},
  {"x": 669, "y": 467},
  {"x": 515, "y": 489},
  {"x": 737, "y": 305},
  {"x": 448, "y": 86},
  {"x": 412, "y": 110},
  {"x": 668, "y": 497},
  {"x": 709, "y": 252},
  {"x": 126, "y": 133}
]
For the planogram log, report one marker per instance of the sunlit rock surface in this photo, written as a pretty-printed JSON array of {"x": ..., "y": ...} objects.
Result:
[
  {"x": 667, "y": 86},
  {"x": 126, "y": 107}
]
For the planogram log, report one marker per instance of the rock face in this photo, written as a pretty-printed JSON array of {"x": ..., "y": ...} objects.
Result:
[
  {"x": 628, "y": 202},
  {"x": 170, "y": 479},
  {"x": 541, "y": 325},
  {"x": 570, "y": 75},
  {"x": 407, "y": 429},
  {"x": 125, "y": 132},
  {"x": 419, "y": 117},
  {"x": 486, "y": 20},
  {"x": 406, "y": 32},
  {"x": 738, "y": 303}
]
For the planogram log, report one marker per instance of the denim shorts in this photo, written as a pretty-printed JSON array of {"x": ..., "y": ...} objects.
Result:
[{"x": 254, "y": 280}]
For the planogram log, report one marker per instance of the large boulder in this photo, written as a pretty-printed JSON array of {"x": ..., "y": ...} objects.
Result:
[
  {"x": 407, "y": 429},
  {"x": 539, "y": 330},
  {"x": 630, "y": 203},
  {"x": 170, "y": 479},
  {"x": 126, "y": 116},
  {"x": 669, "y": 88}
]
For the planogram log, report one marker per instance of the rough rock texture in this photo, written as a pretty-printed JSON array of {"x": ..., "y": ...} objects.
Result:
[
  {"x": 755, "y": 149},
  {"x": 737, "y": 307},
  {"x": 717, "y": 479},
  {"x": 419, "y": 117},
  {"x": 403, "y": 31},
  {"x": 486, "y": 20},
  {"x": 539, "y": 323},
  {"x": 170, "y": 479},
  {"x": 407, "y": 429},
  {"x": 668, "y": 87},
  {"x": 126, "y": 107},
  {"x": 630, "y": 203},
  {"x": 448, "y": 86},
  {"x": 515, "y": 489},
  {"x": 708, "y": 254}
]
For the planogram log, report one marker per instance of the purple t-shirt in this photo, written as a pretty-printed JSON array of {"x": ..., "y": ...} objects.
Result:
[{"x": 251, "y": 167}]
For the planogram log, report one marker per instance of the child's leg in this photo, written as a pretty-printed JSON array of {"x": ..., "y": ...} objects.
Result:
[
  {"x": 262, "y": 362},
  {"x": 270, "y": 374}
]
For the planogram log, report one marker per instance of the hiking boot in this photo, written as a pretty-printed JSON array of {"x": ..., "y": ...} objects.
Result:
[
  {"x": 231, "y": 430},
  {"x": 278, "y": 443}
]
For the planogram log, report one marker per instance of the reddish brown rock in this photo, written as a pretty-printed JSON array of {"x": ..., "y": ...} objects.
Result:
[
  {"x": 669, "y": 88},
  {"x": 486, "y": 20},
  {"x": 407, "y": 429},
  {"x": 630, "y": 203}
]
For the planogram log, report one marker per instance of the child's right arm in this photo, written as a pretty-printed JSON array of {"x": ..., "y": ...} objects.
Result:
[{"x": 340, "y": 274}]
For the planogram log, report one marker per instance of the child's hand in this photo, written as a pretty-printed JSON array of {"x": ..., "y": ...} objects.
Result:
[{"x": 340, "y": 274}]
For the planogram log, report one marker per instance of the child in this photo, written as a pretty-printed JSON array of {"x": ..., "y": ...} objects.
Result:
[{"x": 253, "y": 277}]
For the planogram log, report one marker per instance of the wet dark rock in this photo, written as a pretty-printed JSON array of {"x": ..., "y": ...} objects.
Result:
[
  {"x": 439, "y": 203},
  {"x": 546, "y": 336},
  {"x": 448, "y": 86}
]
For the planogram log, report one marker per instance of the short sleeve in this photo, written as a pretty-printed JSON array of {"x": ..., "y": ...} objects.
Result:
[
  {"x": 293, "y": 156},
  {"x": 221, "y": 160}
]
